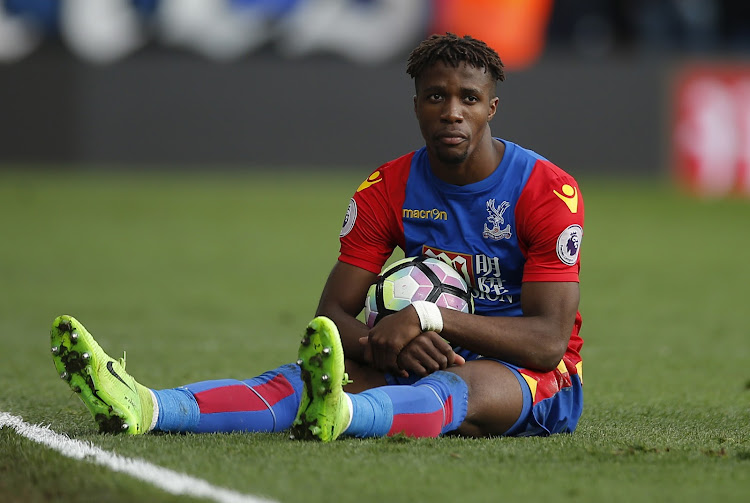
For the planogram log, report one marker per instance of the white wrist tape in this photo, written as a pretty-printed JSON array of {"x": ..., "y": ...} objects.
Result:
[{"x": 430, "y": 318}]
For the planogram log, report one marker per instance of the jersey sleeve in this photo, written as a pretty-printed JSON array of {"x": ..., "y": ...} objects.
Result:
[
  {"x": 373, "y": 227},
  {"x": 549, "y": 216}
]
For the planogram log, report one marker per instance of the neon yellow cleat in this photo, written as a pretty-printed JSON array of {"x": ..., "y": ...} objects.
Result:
[
  {"x": 117, "y": 402},
  {"x": 324, "y": 409}
]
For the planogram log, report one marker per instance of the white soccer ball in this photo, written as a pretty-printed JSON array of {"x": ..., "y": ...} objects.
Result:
[{"x": 416, "y": 278}]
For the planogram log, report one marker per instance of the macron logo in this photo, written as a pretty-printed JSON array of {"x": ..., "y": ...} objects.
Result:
[{"x": 569, "y": 196}]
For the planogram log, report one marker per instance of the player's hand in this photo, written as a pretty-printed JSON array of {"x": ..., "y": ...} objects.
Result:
[
  {"x": 385, "y": 340},
  {"x": 428, "y": 353}
]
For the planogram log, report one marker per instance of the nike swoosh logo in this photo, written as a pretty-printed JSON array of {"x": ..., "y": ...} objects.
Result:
[
  {"x": 112, "y": 371},
  {"x": 569, "y": 196}
]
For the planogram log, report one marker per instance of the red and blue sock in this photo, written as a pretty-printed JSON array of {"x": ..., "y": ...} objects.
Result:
[
  {"x": 430, "y": 407},
  {"x": 266, "y": 403}
]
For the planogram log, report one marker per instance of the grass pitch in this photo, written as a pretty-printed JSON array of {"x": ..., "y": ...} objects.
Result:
[{"x": 203, "y": 277}]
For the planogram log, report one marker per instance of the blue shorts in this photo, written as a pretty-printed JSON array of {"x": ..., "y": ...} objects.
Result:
[{"x": 552, "y": 401}]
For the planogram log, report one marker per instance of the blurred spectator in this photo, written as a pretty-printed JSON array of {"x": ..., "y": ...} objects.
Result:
[
  {"x": 372, "y": 31},
  {"x": 690, "y": 25},
  {"x": 590, "y": 27},
  {"x": 43, "y": 13},
  {"x": 602, "y": 27}
]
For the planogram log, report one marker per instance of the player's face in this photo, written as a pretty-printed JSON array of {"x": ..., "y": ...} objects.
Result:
[{"x": 454, "y": 107}]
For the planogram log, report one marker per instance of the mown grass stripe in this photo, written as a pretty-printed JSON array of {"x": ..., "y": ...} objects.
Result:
[{"x": 163, "y": 478}]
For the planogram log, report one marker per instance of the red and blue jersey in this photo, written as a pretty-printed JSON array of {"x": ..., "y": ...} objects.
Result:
[{"x": 524, "y": 222}]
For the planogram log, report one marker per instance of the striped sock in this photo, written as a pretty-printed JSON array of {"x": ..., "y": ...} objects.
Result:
[
  {"x": 430, "y": 407},
  {"x": 268, "y": 402}
]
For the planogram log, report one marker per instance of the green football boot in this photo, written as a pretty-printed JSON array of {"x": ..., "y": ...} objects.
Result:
[
  {"x": 324, "y": 409},
  {"x": 117, "y": 402}
]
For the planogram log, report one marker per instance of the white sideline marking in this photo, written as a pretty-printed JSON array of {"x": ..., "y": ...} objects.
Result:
[{"x": 163, "y": 478}]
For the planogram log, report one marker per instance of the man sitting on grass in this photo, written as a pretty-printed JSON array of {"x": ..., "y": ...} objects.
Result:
[{"x": 513, "y": 228}]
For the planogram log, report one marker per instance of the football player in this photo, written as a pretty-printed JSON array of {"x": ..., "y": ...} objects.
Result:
[{"x": 505, "y": 217}]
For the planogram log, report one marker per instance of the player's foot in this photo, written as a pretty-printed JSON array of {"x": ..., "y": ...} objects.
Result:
[
  {"x": 324, "y": 409},
  {"x": 118, "y": 403}
]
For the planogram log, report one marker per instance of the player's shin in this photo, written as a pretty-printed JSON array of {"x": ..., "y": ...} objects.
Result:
[
  {"x": 432, "y": 406},
  {"x": 265, "y": 403}
]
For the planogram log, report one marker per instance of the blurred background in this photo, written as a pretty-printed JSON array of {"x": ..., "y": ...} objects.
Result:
[{"x": 644, "y": 88}]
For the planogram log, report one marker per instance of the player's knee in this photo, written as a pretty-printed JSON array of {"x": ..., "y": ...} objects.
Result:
[{"x": 495, "y": 398}]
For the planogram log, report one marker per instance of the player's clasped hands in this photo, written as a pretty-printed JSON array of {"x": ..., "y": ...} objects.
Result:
[
  {"x": 398, "y": 345},
  {"x": 428, "y": 353}
]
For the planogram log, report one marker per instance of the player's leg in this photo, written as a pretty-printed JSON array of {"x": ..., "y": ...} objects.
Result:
[
  {"x": 119, "y": 403},
  {"x": 479, "y": 398},
  {"x": 427, "y": 408},
  {"x": 496, "y": 398},
  {"x": 502, "y": 400},
  {"x": 542, "y": 403},
  {"x": 483, "y": 397},
  {"x": 266, "y": 403}
]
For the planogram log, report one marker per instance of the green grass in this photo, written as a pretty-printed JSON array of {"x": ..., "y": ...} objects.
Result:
[{"x": 202, "y": 277}]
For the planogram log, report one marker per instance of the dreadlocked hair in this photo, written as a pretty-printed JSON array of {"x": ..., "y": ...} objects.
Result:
[{"x": 453, "y": 50}]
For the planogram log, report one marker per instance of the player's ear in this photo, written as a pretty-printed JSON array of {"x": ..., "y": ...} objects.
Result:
[{"x": 493, "y": 107}]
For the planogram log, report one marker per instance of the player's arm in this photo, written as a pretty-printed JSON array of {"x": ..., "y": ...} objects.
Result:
[
  {"x": 537, "y": 340},
  {"x": 342, "y": 300}
]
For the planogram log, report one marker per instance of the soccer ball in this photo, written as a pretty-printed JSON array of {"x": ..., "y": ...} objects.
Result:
[{"x": 412, "y": 279}]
